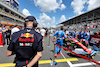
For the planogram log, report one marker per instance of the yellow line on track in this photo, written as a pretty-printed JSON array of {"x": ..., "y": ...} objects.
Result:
[
  {"x": 41, "y": 62},
  {"x": 58, "y": 60}
]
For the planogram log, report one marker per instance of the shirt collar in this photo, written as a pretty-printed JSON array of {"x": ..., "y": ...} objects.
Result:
[{"x": 32, "y": 28}]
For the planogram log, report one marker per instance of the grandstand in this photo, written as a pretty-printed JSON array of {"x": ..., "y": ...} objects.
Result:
[
  {"x": 88, "y": 20},
  {"x": 9, "y": 13}
]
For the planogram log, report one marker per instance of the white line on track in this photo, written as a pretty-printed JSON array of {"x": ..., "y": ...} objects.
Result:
[
  {"x": 70, "y": 64},
  {"x": 79, "y": 64},
  {"x": 84, "y": 64}
]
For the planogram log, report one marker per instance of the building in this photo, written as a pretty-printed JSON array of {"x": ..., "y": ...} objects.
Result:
[
  {"x": 9, "y": 13},
  {"x": 85, "y": 18}
]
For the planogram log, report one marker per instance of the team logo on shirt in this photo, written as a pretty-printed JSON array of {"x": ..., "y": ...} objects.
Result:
[
  {"x": 26, "y": 37},
  {"x": 25, "y": 44},
  {"x": 59, "y": 35}
]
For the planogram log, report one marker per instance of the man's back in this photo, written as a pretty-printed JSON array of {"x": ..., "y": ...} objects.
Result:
[
  {"x": 59, "y": 34},
  {"x": 25, "y": 44}
]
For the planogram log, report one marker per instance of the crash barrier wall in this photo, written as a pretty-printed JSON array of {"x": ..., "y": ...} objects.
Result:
[
  {"x": 94, "y": 39},
  {"x": 76, "y": 53}
]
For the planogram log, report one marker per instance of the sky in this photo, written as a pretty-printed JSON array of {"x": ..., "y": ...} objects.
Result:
[{"x": 49, "y": 13}]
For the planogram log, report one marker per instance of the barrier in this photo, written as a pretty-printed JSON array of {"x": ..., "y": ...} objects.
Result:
[
  {"x": 1, "y": 40},
  {"x": 94, "y": 39}
]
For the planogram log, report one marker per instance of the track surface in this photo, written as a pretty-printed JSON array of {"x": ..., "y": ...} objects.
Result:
[{"x": 71, "y": 61}]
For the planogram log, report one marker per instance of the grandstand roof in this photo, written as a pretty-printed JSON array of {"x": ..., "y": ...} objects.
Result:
[
  {"x": 85, "y": 17},
  {"x": 16, "y": 1}
]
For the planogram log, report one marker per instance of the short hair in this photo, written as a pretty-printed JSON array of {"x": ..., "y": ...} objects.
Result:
[{"x": 61, "y": 28}]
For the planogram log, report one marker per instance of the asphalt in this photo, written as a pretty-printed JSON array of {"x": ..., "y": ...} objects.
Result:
[{"x": 48, "y": 53}]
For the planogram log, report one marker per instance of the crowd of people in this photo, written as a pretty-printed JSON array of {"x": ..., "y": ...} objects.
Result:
[
  {"x": 7, "y": 31},
  {"x": 82, "y": 34},
  {"x": 85, "y": 25}
]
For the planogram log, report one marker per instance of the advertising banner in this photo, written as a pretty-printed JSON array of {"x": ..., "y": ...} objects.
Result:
[{"x": 94, "y": 39}]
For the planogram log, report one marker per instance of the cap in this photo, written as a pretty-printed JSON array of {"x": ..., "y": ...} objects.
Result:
[{"x": 30, "y": 18}]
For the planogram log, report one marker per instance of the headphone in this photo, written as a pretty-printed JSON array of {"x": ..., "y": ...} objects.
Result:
[{"x": 31, "y": 18}]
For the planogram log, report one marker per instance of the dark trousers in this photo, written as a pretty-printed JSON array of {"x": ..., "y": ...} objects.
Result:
[
  {"x": 8, "y": 41},
  {"x": 24, "y": 63}
]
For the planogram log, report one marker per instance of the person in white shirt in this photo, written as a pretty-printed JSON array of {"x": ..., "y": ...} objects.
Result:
[
  {"x": 15, "y": 29},
  {"x": 37, "y": 30},
  {"x": 51, "y": 31},
  {"x": 67, "y": 32},
  {"x": 43, "y": 31}
]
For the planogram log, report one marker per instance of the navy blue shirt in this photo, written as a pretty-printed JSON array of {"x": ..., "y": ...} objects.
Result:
[{"x": 26, "y": 43}]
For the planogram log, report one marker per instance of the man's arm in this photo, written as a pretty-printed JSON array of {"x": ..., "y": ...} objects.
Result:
[
  {"x": 39, "y": 52},
  {"x": 35, "y": 59},
  {"x": 10, "y": 48},
  {"x": 9, "y": 53}
]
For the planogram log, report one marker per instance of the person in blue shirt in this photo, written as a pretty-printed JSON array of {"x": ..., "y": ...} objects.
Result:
[
  {"x": 4, "y": 28},
  {"x": 70, "y": 34},
  {"x": 74, "y": 34},
  {"x": 59, "y": 35},
  {"x": 87, "y": 35},
  {"x": 81, "y": 34}
]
